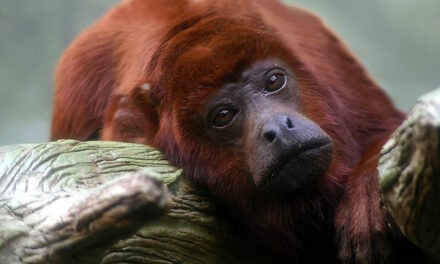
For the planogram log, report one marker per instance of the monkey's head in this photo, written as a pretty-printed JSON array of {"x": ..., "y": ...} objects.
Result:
[{"x": 229, "y": 106}]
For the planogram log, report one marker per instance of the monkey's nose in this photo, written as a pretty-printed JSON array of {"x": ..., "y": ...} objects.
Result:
[{"x": 276, "y": 127}]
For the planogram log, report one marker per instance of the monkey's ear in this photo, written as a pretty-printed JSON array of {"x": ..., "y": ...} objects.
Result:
[
  {"x": 131, "y": 117},
  {"x": 144, "y": 96}
]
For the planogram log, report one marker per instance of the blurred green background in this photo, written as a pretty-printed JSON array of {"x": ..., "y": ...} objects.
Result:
[{"x": 397, "y": 40}]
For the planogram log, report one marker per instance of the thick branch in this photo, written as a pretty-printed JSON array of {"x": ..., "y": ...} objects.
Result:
[
  {"x": 72, "y": 202},
  {"x": 410, "y": 175}
]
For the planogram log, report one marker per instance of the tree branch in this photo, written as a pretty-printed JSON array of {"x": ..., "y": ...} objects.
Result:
[{"x": 409, "y": 172}]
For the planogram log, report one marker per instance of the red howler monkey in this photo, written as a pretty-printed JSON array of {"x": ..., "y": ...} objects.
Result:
[{"x": 257, "y": 101}]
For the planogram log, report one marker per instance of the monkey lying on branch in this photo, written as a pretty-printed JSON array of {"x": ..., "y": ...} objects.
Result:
[
  {"x": 258, "y": 102},
  {"x": 101, "y": 202}
]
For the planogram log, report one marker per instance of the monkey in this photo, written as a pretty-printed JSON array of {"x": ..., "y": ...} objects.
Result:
[{"x": 259, "y": 102}]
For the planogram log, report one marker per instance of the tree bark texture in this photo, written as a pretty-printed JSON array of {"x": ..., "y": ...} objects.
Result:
[
  {"x": 409, "y": 172},
  {"x": 107, "y": 202}
]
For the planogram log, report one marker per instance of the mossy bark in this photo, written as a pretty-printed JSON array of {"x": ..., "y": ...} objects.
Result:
[
  {"x": 409, "y": 172},
  {"x": 102, "y": 202}
]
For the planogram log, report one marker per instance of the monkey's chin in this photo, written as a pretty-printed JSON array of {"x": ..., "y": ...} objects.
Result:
[{"x": 299, "y": 173}]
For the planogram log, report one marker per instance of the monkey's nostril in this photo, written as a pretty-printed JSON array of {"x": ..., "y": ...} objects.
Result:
[
  {"x": 270, "y": 135},
  {"x": 289, "y": 123}
]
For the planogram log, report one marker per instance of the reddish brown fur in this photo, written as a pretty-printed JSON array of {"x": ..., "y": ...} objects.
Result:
[{"x": 99, "y": 82}]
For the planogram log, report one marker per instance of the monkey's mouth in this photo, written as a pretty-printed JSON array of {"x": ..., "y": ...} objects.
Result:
[{"x": 299, "y": 168}]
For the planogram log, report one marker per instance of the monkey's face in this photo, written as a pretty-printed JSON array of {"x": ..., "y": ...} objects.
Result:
[
  {"x": 250, "y": 132},
  {"x": 231, "y": 115}
]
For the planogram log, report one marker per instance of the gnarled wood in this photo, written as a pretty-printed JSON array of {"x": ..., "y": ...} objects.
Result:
[
  {"x": 102, "y": 202},
  {"x": 410, "y": 175}
]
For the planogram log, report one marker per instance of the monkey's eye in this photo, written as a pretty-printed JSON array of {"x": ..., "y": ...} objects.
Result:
[
  {"x": 275, "y": 82},
  {"x": 222, "y": 116}
]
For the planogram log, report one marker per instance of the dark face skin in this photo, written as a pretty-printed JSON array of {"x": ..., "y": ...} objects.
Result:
[{"x": 285, "y": 151}]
